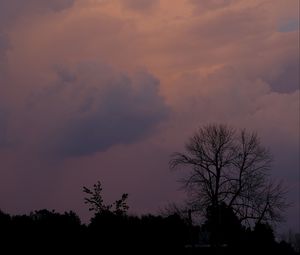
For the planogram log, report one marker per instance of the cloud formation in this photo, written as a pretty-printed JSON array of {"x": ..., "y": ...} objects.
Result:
[
  {"x": 90, "y": 109},
  {"x": 287, "y": 78},
  {"x": 111, "y": 108},
  {"x": 71, "y": 86}
]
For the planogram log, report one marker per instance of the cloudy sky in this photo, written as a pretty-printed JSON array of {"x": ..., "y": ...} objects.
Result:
[{"x": 108, "y": 89}]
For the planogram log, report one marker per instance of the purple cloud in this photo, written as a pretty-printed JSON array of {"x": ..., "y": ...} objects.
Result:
[
  {"x": 95, "y": 108},
  {"x": 140, "y": 5}
]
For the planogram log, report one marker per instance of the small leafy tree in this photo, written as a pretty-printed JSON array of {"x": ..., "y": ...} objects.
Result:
[
  {"x": 121, "y": 206},
  {"x": 95, "y": 201}
]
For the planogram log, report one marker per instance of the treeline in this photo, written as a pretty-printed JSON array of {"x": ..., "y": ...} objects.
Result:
[
  {"x": 112, "y": 230},
  {"x": 47, "y": 231},
  {"x": 53, "y": 231}
]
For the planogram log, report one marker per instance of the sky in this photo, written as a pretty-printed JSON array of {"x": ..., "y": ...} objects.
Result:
[{"x": 108, "y": 89}]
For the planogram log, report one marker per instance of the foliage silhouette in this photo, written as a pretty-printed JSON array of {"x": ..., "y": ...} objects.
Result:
[
  {"x": 96, "y": 203},
  {"x": 223, "y": 225},
  {"x": 49, "y": 231}
]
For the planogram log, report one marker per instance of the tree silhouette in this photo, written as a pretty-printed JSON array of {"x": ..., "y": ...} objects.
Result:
[
  {"x": 230, "y": 168},
  {"x": 121, "y": 206},
  {"x": 95, "y": 201}
]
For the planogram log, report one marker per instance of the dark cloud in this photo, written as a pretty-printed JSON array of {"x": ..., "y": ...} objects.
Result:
[
  {"x": 287, "y": 79},
  {"x": 15, "y": 6},
  {"x": 55, "y": 5},
  {"x": 10, "y": 10},
  {"x": 140, "y": 5},
  {"x": 3, "y": 128},
  {"x": 210, "y": 4},
  {"x": 96, "y": 107},
  {"x": 289, "y": 26},
  {"x": 4, "y": 46}
]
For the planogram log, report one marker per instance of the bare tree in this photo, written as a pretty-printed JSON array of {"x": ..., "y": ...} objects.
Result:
[{"x": 231, "y": 168}]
